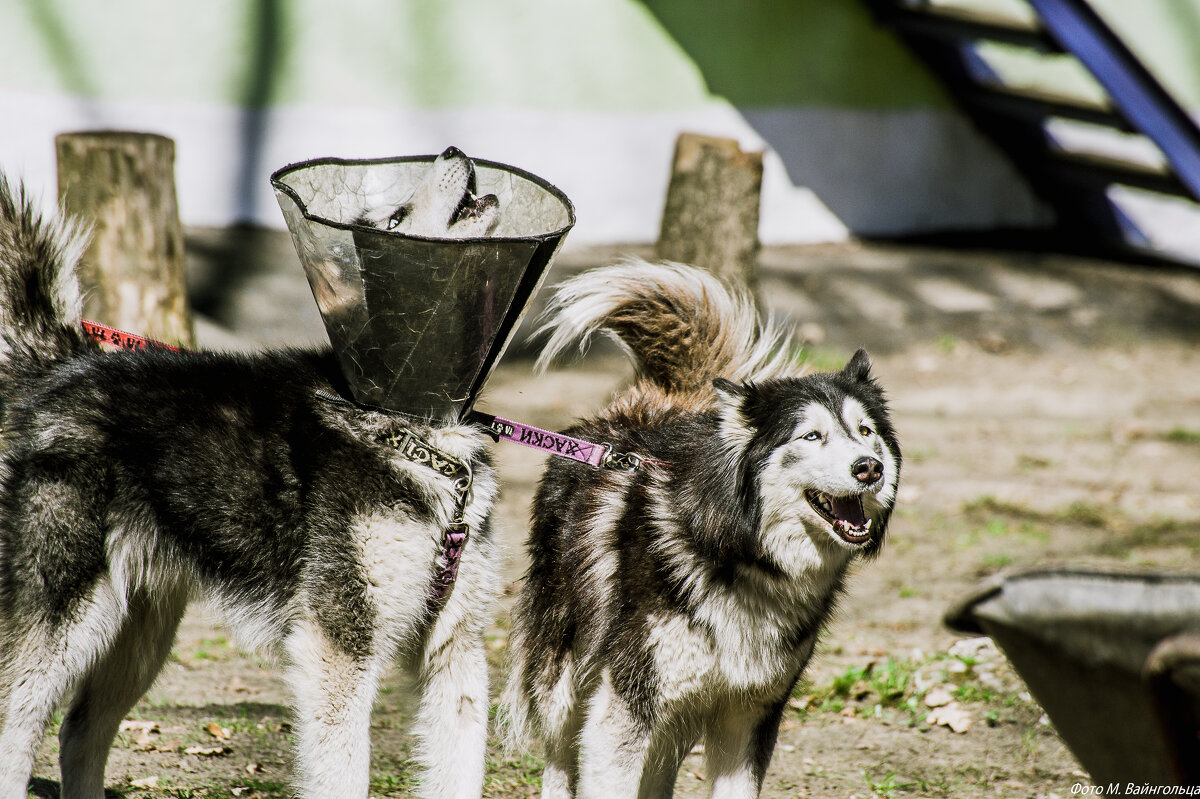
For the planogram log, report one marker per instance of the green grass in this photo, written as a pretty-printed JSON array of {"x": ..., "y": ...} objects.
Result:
[
  {"x": 888, "y": 690},
  {"x": 889, "y": 785},
  {"x": 1119, "y": 533},
  {"x": 506, "y": 774},
  {"x": 1182, "y": 435}
]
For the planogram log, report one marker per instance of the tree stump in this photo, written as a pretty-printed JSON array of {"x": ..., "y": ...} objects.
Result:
[
  {"x": 711, "y": 213},
  {"x": 123, "y": 184}
]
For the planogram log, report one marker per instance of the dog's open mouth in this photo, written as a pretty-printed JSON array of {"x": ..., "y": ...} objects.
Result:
[{"x": 845, "y": 514}]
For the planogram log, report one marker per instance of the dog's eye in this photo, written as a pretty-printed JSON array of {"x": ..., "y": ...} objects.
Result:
[
  {"x": 397, "y": 216},
  {"x": 863, "y": 430},
  {"x": 812, "y": 436}
]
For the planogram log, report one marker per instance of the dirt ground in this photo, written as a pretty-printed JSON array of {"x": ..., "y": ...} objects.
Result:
[{"x": 1049, "y": 410}]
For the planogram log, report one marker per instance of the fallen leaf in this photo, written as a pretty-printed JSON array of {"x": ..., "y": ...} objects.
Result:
[
  {"x": 145, "y": 782},
  {"x": 206, "y": 751},
  {"x": 938, "y": 696},
  {"x": 218, "y": 732},
  {"x": 145, "y": 731},
  {"x": 952, "y": 715}
]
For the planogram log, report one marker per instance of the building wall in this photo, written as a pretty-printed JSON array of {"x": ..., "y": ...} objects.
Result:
[{"x": 589, "y": 94}]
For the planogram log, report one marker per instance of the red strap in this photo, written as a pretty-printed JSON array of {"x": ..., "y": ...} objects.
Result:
[{"x": 119, "y": 338}]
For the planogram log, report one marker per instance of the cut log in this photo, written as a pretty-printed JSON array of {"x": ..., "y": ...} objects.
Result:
[
  {"x": 711, "y": 214},
  {"x": 123, "y": 184}
]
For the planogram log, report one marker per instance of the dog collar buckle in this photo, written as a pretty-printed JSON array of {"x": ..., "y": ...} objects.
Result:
[{"x": 619, "y": 461}]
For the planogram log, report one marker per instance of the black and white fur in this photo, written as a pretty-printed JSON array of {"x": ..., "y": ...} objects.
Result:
[
  {"x": 443, "y": 204},
  {"x": 678, "y": 603},
  {"x": 134, "y": 482}
]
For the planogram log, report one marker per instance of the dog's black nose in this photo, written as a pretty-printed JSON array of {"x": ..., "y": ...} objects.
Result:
[
  {"x": 452, "y": 152},
  {"x": 867, "y": 470}
]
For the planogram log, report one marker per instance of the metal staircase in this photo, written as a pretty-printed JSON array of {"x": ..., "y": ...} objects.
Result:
[{"x": 1082, "y": 118}]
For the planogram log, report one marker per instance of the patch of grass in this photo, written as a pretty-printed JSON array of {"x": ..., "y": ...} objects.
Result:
[
  {"x": 213, "y": 649},
  {"x": 996, "y": 560},
  {"x": 892, "y": 681},
  {"x": 843, "y": 684},
  {"x": 1000, "y": 517},
  {"x": 1182, "y": 435},
  {"x": 894, "y": 690},
  {"x": 976, "y": 692},
  {"x": 1084, "y": 514},
  {"x": 393, "y": 783},
  {"x": 890, "y": 784},
  {"x": 870, "y": 689},
  {"x": 506, "y": 775},
  {"x": 1156, "y": 533}
]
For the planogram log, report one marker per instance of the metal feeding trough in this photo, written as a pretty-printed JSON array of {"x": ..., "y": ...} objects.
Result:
[
  {"x": 1113, "y": 657},
  {"x": 418, "y": 324}
]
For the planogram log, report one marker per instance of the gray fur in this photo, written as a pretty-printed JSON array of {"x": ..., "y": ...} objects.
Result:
[{"x": 133, "y": 482}]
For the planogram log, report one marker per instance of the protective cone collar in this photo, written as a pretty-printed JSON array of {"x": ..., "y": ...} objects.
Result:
[{"x": 418, "y": 324}]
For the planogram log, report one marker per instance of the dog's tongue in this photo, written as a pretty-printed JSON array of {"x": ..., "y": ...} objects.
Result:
[{"x": 849, "y": 510}]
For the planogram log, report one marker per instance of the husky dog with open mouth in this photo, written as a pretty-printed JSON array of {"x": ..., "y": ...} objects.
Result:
[
  {"x": 680, "y": 600},
  {"x": 443, "y": 204},
  {"x": 133, "y": 482}
]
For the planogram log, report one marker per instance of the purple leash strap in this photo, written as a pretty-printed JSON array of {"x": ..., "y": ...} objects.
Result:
[
  {"x": 600, "y": 456},
  {"x": 555, "y": 443}
]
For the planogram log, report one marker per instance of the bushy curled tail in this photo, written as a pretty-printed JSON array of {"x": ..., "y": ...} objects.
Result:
[
  {"x": 40, "y": 302},
  {"x": 682, "y": 326}
]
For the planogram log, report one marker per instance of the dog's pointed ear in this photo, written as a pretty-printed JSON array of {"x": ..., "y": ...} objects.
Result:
[
  {"x": 731, "y": 392},
  {"x": 859, "y": 367}
]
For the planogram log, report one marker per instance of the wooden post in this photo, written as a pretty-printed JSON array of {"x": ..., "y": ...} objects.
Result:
[
  {"x": 123, "y": 184},
  {"x": 711, "y": 213}
]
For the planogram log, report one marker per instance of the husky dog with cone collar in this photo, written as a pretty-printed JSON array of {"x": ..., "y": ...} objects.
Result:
[
  {"x": 443, "y": 204},
  {"x": 133, "y": 482},
  {"x": 681, "y": 600}
]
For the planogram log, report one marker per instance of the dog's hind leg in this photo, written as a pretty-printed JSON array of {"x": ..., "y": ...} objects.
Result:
[
  {"x": 334, "y": 690},
  {"x": 737, "y": 748},
  {"x": 452, "y": 720},
  {"x": 613, "y": 746},
  {"x": 45, "y": 660},
  {"x": 562, "y": 758},
  {"x": 111, "y": 687},
  {"x": 670, "y": 745}
]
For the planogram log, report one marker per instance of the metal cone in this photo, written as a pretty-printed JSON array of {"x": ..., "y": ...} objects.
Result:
[{"x": 418, "y": 324}]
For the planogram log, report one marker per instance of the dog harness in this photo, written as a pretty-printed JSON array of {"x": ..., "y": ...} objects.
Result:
[
  {"x": 416, "y": 449},
  {"x": 454, "y": 537}
]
